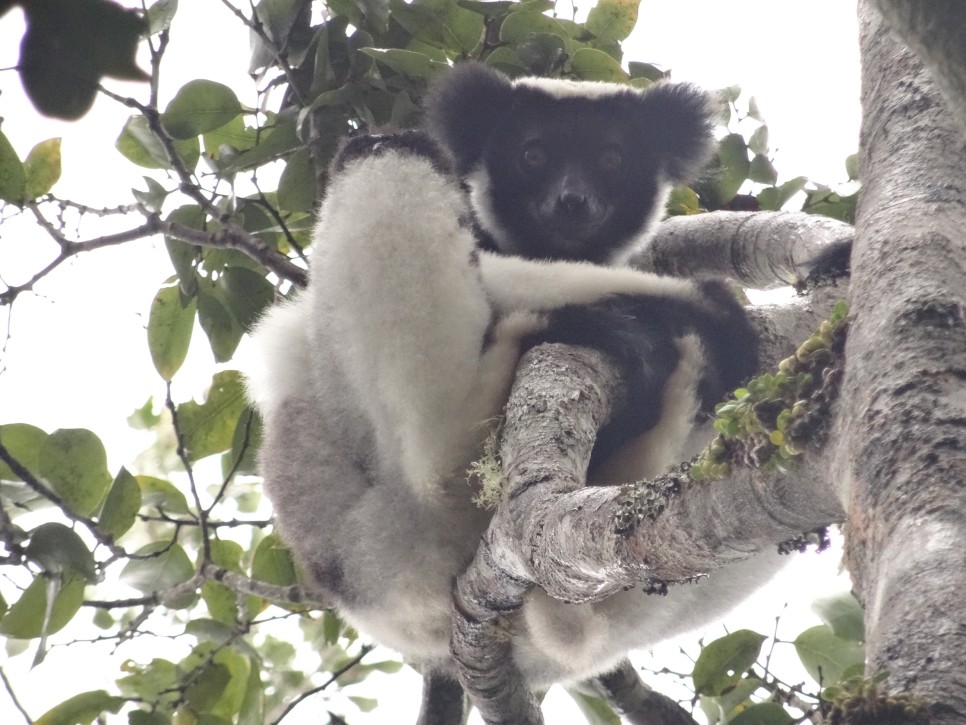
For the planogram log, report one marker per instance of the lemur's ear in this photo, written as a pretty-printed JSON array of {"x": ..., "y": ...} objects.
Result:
[
  {"x": 678, "y": 119},
  {"x": 463, "y": 107}
]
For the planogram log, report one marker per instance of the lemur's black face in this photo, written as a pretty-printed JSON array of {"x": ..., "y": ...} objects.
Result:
[
  {"x": 562, "y": 179},
  {"x": 568, "y": 169}
]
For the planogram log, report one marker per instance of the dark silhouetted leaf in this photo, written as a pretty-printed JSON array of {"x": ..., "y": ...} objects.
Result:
[{"x": 69, "y": 46}]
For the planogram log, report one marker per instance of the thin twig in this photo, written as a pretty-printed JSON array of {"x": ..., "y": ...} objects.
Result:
[
  {"x": 366, "y": 649},
  {"x": 182, "y": 452},
  {"x": 13, "y": 697}
]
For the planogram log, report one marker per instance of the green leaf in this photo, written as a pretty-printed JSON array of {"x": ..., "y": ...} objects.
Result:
[
  {"x": 612, "y": 19},
  {"x": 153, "y": 198},
  {"x": 414, "y": 66},
  {"x": 758, "y": 143},
  {"x": 754, "y": 111},
  {"x": 843, "y": 614},
  {"x": 222, "y": 329},
  {"x": 646, "y": 72},
  {"x": 207, "y": 687},
  {"x": 42, "y": 168},
  {"x": 273, "y": 142},
  {"x": 762, "y": 713},
  {"x": 162, "y": 495},
  {"x": 23, "y": 442},
  {"x": 732, "y": 167},
  {"x": 198, "y": 107},
  {"x": 590, "y": 64},
  {"x": 222, "y": 602},
  {"x": 852, "y": 166},
  {"x": 159, "y": 565},
  {"x": 762, "y": 171},
  {"x": 297, "y": 188},
  {"x": 74, "y": 464},
  {"x": 721, "y": 707},
  {"x": 774, "y": 198},
  {"x": 542, "y": 53},
  {"x": 273, "y": 563},
  {"x": 683, "y": 200},
  {"x": 242, "y": 458},
  {"x": 207, "y": 428},
  {"x": 160, "y": 15},
  {"x": 827, "y": 657},
  {"x": 440, "y": 23},
  {"x": 26, "y": 618},
  {"x": 58, "y": 548},
  {"x": 523, "y": 24},
  {"x": 121, "y": 506},
  {"x": 151, "y": 682},
  {"x": 81, "y": 709},
  {"x": 103, "y": 619},
  {"x": 234, "y": 135},
  {"x": 247, "y": 293},
  {"x": 828, "y": 203},
  {"x": 139, "y": 145},
  {"x": 13, "y": 178},
  {"x": 170, "y": 323},
  {"x": 594, "y": 709},
  {"x": 278, "y": 21},
  {"x": 143, "y": 717},
  {"x": 184, "y": 256},
  {"x": 722, "y": 662}
]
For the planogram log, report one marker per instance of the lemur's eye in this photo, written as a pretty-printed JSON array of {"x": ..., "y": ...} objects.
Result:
[
  {"x": 534, "y": 157},
  {"x": 610, "y": 160}
]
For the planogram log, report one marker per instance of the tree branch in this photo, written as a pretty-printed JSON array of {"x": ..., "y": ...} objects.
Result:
[
  {"x": 582, "y": 544},
  {"x": 935, "y": 29},
  {"x": 227, "y": 237},
  {"x": 761, "y": 250}
]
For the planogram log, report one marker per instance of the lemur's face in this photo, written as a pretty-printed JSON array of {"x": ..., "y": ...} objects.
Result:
[{"x": 564, "y": 180}]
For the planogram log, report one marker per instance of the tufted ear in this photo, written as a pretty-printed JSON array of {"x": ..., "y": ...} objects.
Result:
[
  {"x": 462, "y": 109},
  {"x": 679, "y": 122}
]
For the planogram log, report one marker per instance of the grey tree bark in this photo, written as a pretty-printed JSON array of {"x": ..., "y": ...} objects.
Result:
[
  {"x": 934, "y": 29},
  {"x": 901, "y": 432}
]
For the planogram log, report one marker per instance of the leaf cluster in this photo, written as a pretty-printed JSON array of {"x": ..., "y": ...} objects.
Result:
[
  {"x": 776, "y": 415},
  {"x": 735, "y": 685}
]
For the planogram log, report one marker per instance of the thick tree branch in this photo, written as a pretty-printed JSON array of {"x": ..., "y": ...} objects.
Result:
[
  {"x": 582, "y": 544},
  {"x": 760, "y": 250},
  {"x": 782, "y": 328},
  {"x": 935, "y": 29},
  {"x": 902, "y": 428}
]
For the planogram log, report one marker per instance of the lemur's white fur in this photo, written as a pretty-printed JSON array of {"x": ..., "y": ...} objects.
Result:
[{"x": 377, "y": 385}]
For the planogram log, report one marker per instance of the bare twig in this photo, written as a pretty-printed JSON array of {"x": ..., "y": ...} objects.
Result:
[
  {"x": 366, "y": 649},
  {"x": 13, "y": 697}
]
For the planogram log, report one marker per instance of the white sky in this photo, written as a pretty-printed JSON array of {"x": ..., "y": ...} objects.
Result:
[{"x": 77, "y": 358}]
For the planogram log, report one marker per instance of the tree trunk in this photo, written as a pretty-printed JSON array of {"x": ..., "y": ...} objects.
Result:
[{"x": 902, "y": 423}]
